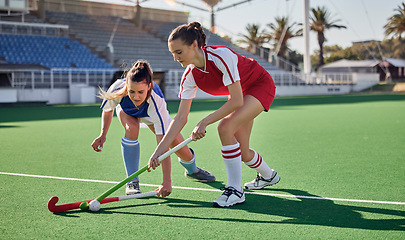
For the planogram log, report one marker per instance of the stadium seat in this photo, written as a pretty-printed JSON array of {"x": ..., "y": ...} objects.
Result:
[{"x": 49, "y": 51}]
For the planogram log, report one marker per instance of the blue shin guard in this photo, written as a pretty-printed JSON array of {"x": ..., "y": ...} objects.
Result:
[{"x": 130, "y": 154}]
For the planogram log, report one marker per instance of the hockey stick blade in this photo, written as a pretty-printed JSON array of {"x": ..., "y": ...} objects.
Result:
[{"x": 70, "y": 206}]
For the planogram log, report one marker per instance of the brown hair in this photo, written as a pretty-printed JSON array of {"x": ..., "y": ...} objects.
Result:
[
  {"x": 189, "y": 33},
  {"x": 140, "y": 71}
]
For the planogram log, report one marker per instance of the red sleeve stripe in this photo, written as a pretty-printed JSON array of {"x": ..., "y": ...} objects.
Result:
[
  {"x": 257, "y": 163},
  {"x": 226, "y": 66},
  {"x": 182, "y": 81}
]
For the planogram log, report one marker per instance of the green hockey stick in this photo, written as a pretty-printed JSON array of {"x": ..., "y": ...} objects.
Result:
[{"x": 137, "y": 173}]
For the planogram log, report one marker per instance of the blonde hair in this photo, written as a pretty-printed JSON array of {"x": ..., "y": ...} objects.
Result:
[{"x": 140, "y": 71}]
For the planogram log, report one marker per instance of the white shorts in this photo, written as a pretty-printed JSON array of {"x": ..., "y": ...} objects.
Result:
[{"x": 160, "y": 124}]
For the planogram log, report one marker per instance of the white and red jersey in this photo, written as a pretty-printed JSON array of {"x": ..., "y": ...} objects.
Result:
[{"x": 222, "y": 68}]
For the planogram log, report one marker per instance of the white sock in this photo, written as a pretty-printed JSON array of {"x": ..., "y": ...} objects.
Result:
[
  {"x": 233, "y": 163},
  {"x": 260, "y": 166}
]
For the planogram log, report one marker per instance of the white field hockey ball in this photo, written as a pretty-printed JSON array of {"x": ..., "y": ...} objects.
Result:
[{"x": 94, "y": 206}]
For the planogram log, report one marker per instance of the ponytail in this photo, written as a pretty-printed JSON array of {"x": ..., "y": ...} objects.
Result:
[
  {"x": 189, "y": 33},
  {"x": 140, "y": 71}
]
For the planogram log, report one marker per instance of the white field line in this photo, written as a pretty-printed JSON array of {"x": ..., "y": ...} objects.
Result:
[{"x": 211, "y": 190}]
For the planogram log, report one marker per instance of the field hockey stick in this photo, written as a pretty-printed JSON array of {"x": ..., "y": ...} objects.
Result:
[
  {"x": 161, "y": 158},
  {"x": 102, "y": 198},
  {"x": 70, "y": 206}
]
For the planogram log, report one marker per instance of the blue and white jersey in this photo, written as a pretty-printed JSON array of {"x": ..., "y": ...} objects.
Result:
[{"x": 152, "y": 112}]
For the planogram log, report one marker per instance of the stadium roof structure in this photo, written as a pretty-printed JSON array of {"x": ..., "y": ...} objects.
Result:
[
  {"x": 343, "y": 63},
  {"x": 396, "y": 62},
  {"x": 364, "y": 66}
]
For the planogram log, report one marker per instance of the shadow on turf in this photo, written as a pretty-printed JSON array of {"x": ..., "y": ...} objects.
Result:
[
  {"x": 17, "y": 114},
  {"x": 206, "y": 105},
  {"x": 335, "y": 99},
  {"x": 217, "y": 184},
  {"x": 299, "y": 211},
  {"x": 323, "y": 212},
  {"x": 8, "y": 126}
]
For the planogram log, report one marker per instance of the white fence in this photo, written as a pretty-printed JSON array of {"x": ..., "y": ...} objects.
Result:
[
  {"x": 34, "y": 28},
  {"x": 61, "y": 78},
  {"x": 290, "y": 84},
  {"x": 58, "y": 86},
  {"x": 55, "y": 86}
]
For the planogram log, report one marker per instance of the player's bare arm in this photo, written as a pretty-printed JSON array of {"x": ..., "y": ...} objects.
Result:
[
  {"x": 235, "y": 101},
  {"x": 106, "y": 120}
]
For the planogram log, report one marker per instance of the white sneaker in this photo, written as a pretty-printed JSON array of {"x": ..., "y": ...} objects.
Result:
[
  {"x": 259, "y": 182},
  {"x": 132, "y": 187},
  {"x": 229, "y": 197}
]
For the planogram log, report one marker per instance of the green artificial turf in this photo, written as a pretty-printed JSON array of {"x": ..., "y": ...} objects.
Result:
[{"x": 345, "y": 147}]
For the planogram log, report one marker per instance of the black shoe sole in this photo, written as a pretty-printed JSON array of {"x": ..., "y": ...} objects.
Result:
[
  {"x": 214, "y": 204},
  {"x": 263, "y": 186}
]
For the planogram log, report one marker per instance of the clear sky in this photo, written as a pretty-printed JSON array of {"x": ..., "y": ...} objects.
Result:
[{"x": 364, "y": 19}]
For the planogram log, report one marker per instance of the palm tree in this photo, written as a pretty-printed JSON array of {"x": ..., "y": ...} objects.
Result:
[
  {"x": 281, "y": 32},
  {"x": 396, "y": 23},
  {"x": 253, "y": 37},
  {"x": 320, "y": 21}
]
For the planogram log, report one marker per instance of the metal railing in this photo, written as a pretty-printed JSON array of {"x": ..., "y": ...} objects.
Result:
[
  {"x": 173, "y": 78},
  {"x": 60, "y": 78},
  {"x": 281, "y": 79},
  {"x": 284, "y": 64},
  {"x": 41, "y": 29},
  {"x": 279, "y": 62},
  {"x": 330, "y": 78},
  {"x": 65, "y": 77}
]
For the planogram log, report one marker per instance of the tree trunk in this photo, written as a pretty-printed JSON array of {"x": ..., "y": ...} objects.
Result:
[{"x": 321, "y": 40}]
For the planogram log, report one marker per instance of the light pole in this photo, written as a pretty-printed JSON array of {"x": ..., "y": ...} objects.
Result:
[{"x": 307, "y": 56}]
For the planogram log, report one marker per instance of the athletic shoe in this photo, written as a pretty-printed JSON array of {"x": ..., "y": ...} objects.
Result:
[
  {"x": 259, "y": 182},
  {"x": 201, "y": 175},
  {"x": 229, "y": 197},
  {"x": 132, "y": 187}
]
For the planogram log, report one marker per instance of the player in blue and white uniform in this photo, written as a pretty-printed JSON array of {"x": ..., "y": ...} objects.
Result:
[{"x": 137, "y": 99}]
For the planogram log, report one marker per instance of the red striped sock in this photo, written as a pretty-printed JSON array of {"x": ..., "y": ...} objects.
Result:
[
  {"x": 232, "y": 158},
  {"x": 260, "y": 166}
]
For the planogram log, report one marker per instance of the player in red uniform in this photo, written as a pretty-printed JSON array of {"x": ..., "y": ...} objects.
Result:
[{"x": 218, "y": 70}]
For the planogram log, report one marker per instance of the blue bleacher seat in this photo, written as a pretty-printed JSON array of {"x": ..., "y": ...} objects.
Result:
[{"x": 48, "y": 51}]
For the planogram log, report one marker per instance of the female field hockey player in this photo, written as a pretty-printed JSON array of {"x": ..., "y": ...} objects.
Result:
[
  {"x": 136, "y": 99},
  {"x": 218, "y": 70}
]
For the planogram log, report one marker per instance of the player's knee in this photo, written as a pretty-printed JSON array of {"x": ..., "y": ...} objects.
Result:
[
  {"x": 225, "y": 127},
  {"x": 132, "y": 129}
]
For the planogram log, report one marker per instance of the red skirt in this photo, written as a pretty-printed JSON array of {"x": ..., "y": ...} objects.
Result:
[{"x": 263, "y": 89}]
